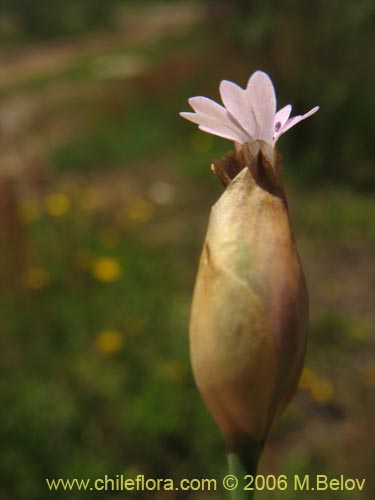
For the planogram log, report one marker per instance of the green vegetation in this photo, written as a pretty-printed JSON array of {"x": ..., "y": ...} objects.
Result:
[{"x": 52, "y": 18}]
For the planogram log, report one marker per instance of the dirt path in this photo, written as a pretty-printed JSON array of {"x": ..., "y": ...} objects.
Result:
[
  {"x": 141, "y": 26},
  {"x": 21, "y": 144}
]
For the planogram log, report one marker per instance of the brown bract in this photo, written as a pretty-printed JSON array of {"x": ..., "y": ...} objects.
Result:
[{"x": 249, "y": 316}]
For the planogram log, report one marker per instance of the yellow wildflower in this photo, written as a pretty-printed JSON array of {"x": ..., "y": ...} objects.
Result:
[
  {"x": 140, "y": 211},
  {"x": 106, "y": 269},
  {"x": 108, "y": 341},
  {"x": 307, "y": 378},
  {"x": 322, "y": 390},
  {"x": 57, "y": 204},
  {"x": 36, "y": 278}
]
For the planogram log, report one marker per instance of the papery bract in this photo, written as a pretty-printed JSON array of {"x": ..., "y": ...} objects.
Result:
[{"x": 249, "y": 315}]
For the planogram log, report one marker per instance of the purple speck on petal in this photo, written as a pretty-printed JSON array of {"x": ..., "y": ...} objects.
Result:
[{"x": 277, "y": 126}]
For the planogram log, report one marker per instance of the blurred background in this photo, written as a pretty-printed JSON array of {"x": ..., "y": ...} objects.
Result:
[{"x": 104, "y": 199}]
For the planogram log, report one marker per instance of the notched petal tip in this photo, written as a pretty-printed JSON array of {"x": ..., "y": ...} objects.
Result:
[
  {"x": 228, "y": 83},
  {"x": 206, "y": 105},
  {"x": 188, "y": 115},
  {"x": 259, "y": 76}
]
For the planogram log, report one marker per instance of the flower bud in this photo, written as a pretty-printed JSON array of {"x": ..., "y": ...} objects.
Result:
[{"x": 249, "y": 316}]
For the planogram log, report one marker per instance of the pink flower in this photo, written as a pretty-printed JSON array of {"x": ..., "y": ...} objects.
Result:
[{"x": 247, "y": 115}]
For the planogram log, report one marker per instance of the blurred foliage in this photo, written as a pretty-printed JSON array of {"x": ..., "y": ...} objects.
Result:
[
  {"x": 118, "y": 141},
  {"x": 103, "y": 314},
  {"x": 45, "y": 19},
  {"x": 104, "y": 198},
  {"x": 54, "y": 18}
]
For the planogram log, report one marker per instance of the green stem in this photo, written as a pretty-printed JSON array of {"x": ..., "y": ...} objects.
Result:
[{"x": 241, "y": 465}]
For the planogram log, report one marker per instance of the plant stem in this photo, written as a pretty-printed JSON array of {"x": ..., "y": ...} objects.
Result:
[{"x": 241, "y": 466}]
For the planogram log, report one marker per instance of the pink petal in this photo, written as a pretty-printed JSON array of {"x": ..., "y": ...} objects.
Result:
[
  {"x": 261, "y": 93},
  {"x": 214, "y": 118},
  {"x": 237, "y": 103},
  {"x": 296, "y": 119},
  {"x": 222, "y": 133},
  {"x": 216, "y": 127},
  {"x": 206, "y": 106},
  {"x": 281, "y": 116}
]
